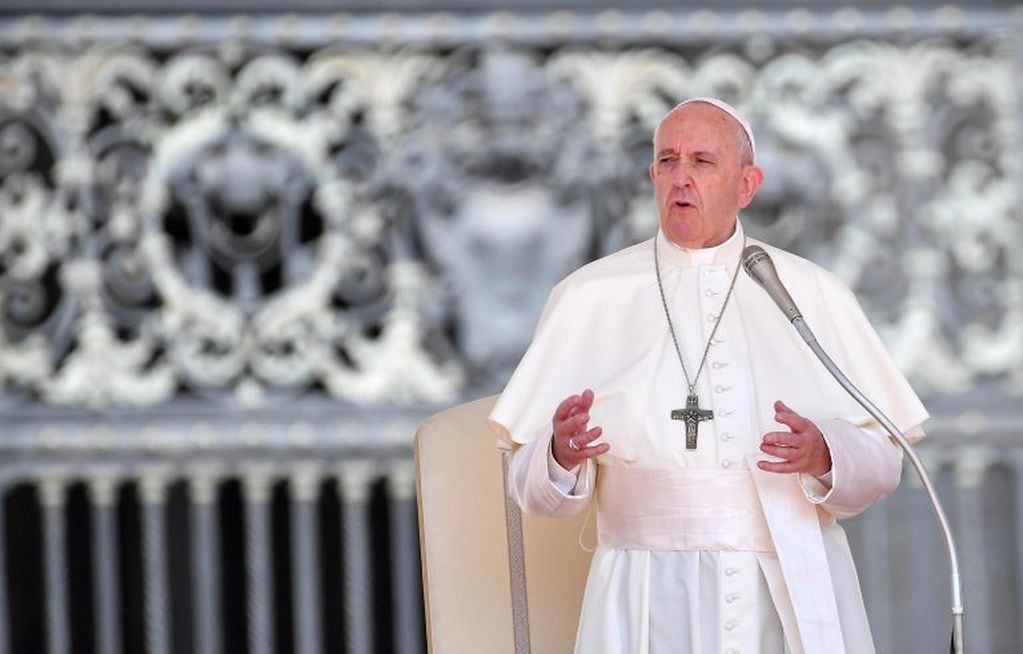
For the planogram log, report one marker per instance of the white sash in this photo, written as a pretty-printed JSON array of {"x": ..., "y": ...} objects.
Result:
[
  {"x": 796, "y": 531},
  {"x": 679, "y": 509}
]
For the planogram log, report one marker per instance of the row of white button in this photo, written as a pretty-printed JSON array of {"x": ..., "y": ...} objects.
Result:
[{"x": 725, "y": 435}]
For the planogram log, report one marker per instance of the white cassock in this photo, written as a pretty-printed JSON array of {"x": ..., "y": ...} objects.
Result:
[{"x": 699, "y": 551}]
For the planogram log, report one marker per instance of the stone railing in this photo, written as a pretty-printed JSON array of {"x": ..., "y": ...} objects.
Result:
[
  {"x": 225, "y": 521},
  {"x": 208, "y": 511}
]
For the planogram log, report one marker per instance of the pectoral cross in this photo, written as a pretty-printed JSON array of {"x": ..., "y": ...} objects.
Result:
[{"x": 692, "y": 415}]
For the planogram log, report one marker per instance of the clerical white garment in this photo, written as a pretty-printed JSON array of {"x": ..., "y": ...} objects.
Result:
[{"x": 604, "y": 328}]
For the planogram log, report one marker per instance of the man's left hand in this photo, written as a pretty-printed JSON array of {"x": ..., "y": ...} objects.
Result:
[{"x": 802, "y": 450}]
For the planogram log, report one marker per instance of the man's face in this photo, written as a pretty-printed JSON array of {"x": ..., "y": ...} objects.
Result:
[{"x": 699, "y": 182}]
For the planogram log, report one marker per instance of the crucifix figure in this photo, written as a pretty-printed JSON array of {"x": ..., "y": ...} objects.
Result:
[{"x": 692, "y": 415}]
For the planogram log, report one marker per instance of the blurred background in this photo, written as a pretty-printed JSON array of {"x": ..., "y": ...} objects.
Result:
[{"x": 245, "y": 247}]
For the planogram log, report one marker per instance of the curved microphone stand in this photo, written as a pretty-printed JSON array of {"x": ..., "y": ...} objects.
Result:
[{"x": 759, "y": 266}]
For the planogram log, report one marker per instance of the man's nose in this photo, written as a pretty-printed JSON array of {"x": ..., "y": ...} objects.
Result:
[{"x": 682, "y": 176}]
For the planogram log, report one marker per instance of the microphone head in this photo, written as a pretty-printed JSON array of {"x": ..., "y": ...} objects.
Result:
[
  {"x": 754, "y": 258},
  {"x": 758, "y": 264}
]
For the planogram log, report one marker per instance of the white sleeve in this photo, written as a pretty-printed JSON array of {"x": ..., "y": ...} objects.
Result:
[
  {"x": 866, "y": 465},
  {"x": 538, "y": 488},
  {"x": 563, "y": 480}
]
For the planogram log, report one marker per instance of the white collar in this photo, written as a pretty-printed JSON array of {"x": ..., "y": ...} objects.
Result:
[{"x": 722, "y": 253}]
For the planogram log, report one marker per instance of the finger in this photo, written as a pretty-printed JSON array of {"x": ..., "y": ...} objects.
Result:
[
  {"x": 582, "y": 403},
  {"x": 579, "y": 423},
  {"x": 595, "y": 450},
  {"x": 785, "y": 438},
  {"x": 781, "y": 407},
  {"x": 565, "y": 408},
  {"x": 792, "y": 420},
  {"x": 785, "y": 410},
  {"x": 588, "y": 437},
  {"x": 789, "y": 454},
  {"x": 784, "y": 466},
  {"x": 573, "y": 420},
  {"x": 571, "y": 426},
  {"x": 568, "y": 458},
  {"x": 589, "y": 452},
  {"x": 586, "y": 399}
]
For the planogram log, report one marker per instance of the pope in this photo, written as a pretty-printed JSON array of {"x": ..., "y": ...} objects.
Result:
[{"x": 666, "y": 389}]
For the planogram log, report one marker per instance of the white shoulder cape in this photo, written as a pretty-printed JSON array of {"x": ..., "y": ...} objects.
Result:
[{"x": 598, "y": 323}]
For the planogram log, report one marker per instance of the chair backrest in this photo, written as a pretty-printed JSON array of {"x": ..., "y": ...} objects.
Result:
[{"x": 464, "y": 541}]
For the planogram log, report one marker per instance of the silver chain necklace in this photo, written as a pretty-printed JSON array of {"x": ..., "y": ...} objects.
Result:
[{"x": 692, "y": 415}]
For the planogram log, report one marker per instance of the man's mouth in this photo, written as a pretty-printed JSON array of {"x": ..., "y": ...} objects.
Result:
[{"x": 683, "y": 204}]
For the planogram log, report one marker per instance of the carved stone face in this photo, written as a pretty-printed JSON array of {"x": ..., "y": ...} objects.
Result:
[
  {"x": 699, "y": 184},
  {"x": 241, "y": 184},
  {"x": 526, "y": 239}
]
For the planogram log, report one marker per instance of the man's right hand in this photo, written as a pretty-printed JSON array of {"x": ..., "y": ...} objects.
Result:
[{"x": 570, "y": 422}]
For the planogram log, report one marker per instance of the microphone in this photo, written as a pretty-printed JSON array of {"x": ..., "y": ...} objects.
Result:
[{"x": 758, "y": 265}]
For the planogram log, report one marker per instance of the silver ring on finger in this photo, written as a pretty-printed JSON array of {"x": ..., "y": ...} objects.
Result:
[{"x": 572, "y": 445}]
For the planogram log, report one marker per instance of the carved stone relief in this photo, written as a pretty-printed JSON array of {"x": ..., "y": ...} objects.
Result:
[{"x": 255, "y": 224}]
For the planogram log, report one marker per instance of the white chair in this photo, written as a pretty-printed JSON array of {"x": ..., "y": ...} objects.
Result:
[{"x": 494, "y": 581}]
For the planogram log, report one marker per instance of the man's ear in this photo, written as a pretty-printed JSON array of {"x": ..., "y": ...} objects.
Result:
[
  {"x": 752, "y": 178},
  {"x": 650, "y": 169}
]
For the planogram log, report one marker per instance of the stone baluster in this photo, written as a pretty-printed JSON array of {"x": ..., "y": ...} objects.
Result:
[
  {"x": 153, "y": 493},
  {"x": 5, "y": 631},
  {"x": 408, "y": 632},
  {"x": 53, "y": 494},
  {"x": 205, "y": 536},
  {"x": 970, "y": 468},
  {"x": 256, "y": 490},
  {"x": 1015, "y": 460},
  {"x": 305, "y": 557},
  {"x": 105, "y": 561},
  {"x": 355, "y": 479}
]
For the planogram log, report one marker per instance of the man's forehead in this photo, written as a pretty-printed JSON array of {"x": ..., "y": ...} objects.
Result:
[
  {"x": 702, "y": 115},
  {"x": 698, "y": 127}
]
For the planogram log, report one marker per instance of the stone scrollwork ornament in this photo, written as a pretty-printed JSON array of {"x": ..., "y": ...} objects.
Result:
[{"x": 250, "y": 225}]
